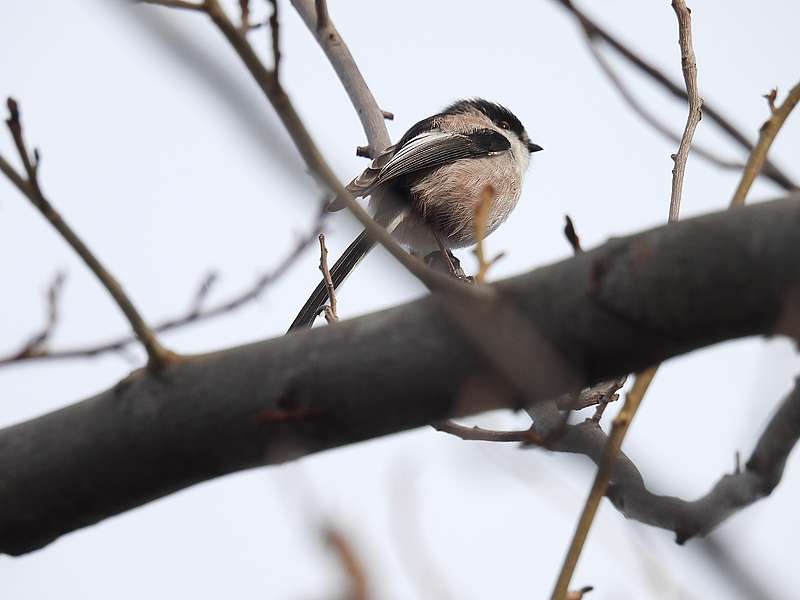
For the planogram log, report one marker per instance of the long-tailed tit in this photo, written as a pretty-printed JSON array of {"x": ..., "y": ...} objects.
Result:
[{"x": 425, "y": 188}]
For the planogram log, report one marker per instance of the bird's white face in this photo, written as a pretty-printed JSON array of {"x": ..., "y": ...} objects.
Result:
[{"x": 519, "y": 149}]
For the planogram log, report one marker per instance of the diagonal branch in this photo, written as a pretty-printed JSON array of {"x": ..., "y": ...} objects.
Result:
[
  {"x": 593, "y": 32},
  {"x": 158, "y": 356},
  {"x": 758, "y": 158}
]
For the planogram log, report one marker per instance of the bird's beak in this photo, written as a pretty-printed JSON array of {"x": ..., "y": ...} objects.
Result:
[{"x": 534, "y": 147}]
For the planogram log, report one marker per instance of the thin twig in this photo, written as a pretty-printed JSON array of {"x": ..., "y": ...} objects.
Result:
[
  {"x": 618, "y": 430},
  {"x": 244, "y": 11},
  {"x": 195, "y": 314},
  {"x": 36, "y": 344},
  {"x": 689, "y": 68},
  {"x": 275, "y": 29},
  {"x": 158, "y": 355},
  {"x": 572, "y": 235},
  {"x": 758, "y": 158},
  {"x": 176, "y": 4},
  {"x": 593, "y": 31},
  {"x": 351, "y": 563},
  {"x": 475, "y": 433},
  {"x": 329, "y": 309},
  {"x": 480, "y": 223}
]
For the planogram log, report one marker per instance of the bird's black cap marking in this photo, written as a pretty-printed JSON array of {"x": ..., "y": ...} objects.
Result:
[{"x": 496, "y": 112}]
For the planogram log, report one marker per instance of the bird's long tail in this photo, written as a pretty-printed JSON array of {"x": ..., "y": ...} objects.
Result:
[{"x": 340, "y": 270}]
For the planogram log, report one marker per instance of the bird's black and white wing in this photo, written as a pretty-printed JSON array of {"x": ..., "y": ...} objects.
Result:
[{"x": 426, "y": 150}]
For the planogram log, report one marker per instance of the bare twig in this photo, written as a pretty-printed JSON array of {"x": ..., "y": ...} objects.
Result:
[
  {"x": 771, "y": 97},
  {"x": 689, "y": 68},
  {"x": 579, "y": 594},
  {"x": 203, "y": 290},
  {"x": 480, "y": 222},
  {"x": 593, "y": 32},
  {"x": 572, "y": 235},
  {"x": 176, "y": 4},
  {"x": 618, "y": 431},
  {"x": 196, "y": 314},
  {"x": 351, "y": 563},
  {"x": 37, "y": 343},
  {"x": 475, "y": 433},
  {"x": 758, "y": 158},
  {"x": 275, "y": 30},
  {"x": 316, "y": 17},
  {"x": 329, "y": 309},
  {"x": 158, "y": 356}
]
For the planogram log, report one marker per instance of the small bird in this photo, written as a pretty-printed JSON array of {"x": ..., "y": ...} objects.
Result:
[{"x": 425, "y": 188}]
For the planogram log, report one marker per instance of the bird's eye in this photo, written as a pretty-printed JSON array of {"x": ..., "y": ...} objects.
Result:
[{"x": 504, "y": 125}]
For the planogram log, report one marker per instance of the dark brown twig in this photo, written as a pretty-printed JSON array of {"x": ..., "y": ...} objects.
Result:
[
  {"x": 275, "y": 30},
  {"x": 572, "y": 235},
  {"x": 182, "y": 4},
  {"x": 689, "y": 68},
  {"x": 321, "y": 6},
  {"x": 38, "y": 342},
  {"x": 319, "y": 167},
  {"x": 158, "y": 356}
]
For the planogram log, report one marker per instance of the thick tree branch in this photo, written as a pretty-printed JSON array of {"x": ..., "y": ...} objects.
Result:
[{"x": 631, "y": 303}]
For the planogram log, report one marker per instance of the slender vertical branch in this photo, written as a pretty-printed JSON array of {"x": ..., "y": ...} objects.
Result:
[
  {"x": 157, "y": 355},
  {"x": 329, "y": 310},
  {"x": 758, "y": 158},
  {"x": 689, "y": 67},
  {"x": 618, "y": 430}
]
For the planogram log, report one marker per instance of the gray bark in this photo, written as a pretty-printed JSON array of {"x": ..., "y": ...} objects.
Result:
[{"x": 633, "y": 302}]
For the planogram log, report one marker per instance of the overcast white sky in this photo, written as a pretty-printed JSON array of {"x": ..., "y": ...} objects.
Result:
[{"x": 148, "y": 160}]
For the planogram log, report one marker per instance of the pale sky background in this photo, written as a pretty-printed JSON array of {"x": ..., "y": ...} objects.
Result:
[{"x": 149, "y": 162}]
